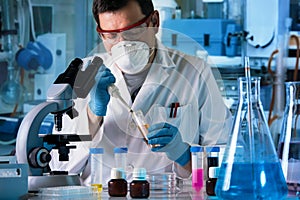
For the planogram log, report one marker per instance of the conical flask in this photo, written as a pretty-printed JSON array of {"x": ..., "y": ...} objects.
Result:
[
  {"x": 289, "y": 142},
  {"x": 250, "y": 168}
]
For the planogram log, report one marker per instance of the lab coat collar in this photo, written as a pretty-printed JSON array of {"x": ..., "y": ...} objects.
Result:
[
  {"x": 163, "y": 57},
  {"x": 158, "y": 72}
]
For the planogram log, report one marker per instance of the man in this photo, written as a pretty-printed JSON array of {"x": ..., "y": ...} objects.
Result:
[{"x": 177, "y": 94}]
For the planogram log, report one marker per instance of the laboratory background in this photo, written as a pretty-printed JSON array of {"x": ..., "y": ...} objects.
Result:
[{"x": 39, "y": 39}]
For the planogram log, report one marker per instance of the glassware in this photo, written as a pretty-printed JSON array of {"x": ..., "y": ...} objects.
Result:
[
  {"x": 163, "y": 183},
  {"x": 250, "y": 168},
  {"x": 120, "y": 154},
  {"x": 117, "y": 185},
  {"x": 11, "y": 91},
  {"x": 68, "y": 192},
  {"x": 141, "y": 123},
  {"x": 212, "y": 169},
  {"x": 96, "y": 155},
  {"x": 139, "y": 186},
  {"x": 197, "y": 167},
  {"x": 289, "y": 142},
  {"x": 212, "y": 157},
  {"x": 213, "y": 173}
]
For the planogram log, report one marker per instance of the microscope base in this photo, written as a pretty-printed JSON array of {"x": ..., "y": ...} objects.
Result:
[{"x": 37, "y": 182}]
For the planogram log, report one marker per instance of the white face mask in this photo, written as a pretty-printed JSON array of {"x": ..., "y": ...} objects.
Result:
[{"x": 131, "y": 57}]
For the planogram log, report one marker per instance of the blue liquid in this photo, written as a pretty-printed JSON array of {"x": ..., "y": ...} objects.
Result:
[{"x": 253, "y": 181}]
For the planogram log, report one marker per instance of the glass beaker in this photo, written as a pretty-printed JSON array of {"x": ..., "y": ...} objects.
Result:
[
  {"x": 289, "y": 142},
  {"x": 250, "y": 168}
]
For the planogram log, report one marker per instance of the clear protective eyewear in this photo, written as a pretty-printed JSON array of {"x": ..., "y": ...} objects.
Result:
[{"x": 132, "y": 32}]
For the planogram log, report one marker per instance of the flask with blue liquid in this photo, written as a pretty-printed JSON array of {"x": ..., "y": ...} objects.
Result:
[{"x": 250, "y": 168}]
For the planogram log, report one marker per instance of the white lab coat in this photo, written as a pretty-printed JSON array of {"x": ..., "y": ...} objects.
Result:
[{"x": 202, "y": 117}]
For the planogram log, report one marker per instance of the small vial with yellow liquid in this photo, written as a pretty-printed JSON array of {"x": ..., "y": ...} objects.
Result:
[{"x": 96, "y": 155}]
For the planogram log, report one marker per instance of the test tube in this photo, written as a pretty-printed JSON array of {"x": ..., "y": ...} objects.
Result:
[
  {"x": 120, "y": 154},
  {"x": 212, "y": 169},
  {"x": 212, "y": 157},
  {"x": 141, "y": 123},
  {"x": 197, "y": 167},
  {"x": 96, "y": 167}
]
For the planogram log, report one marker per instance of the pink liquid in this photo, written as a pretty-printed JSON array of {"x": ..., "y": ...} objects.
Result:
[{"x": 197, "y": 179}]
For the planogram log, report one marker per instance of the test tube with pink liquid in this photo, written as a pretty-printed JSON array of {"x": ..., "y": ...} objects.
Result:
[{"x": 197, "y": 168}]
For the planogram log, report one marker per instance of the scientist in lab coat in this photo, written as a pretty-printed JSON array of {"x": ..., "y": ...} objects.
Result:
[{"x": 176, "y": 92}]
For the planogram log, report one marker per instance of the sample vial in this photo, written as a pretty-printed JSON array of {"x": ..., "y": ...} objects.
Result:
[
  {"x": 117, "y": 185},
  {"x": 212, "y": 180},
  {"x": 120, "y": 154},
  {"x": 212, "y": 157},
  {"x": 141, "y": 123},
  {"x": 197, "y": 167},
  {"x": 178, "y": 12},
  {"x": 96, "y": 167},
  {"x": 139, "y": 187},
  {"x": 212, "y": 166}
]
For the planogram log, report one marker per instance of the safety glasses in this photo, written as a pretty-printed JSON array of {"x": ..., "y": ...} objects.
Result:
[{"x": 132, "y": 32}]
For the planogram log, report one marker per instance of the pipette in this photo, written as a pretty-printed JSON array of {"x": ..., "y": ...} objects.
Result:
[
  {"x": 248, "y": 87},
  {"x": 137, "y": 116},
  {"x": 114, "y": 92}
]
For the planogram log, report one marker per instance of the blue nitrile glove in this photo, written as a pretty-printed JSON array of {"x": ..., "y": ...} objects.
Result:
[
  {"x": 169, "y": 140},
  {"x": 99, "y": 93}
]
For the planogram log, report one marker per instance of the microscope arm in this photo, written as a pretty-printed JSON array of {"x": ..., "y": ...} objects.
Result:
[{"x": 27, "y": 138}]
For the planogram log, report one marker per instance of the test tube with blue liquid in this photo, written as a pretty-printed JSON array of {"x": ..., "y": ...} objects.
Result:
[{"x": 197, "y": 168}]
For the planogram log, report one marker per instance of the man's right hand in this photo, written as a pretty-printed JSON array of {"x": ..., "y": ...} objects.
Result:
[{"x": 99, "y": 93}]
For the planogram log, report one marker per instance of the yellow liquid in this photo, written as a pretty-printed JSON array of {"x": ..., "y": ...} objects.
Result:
[
  {"x": 145, "y": 137},
  {"x": 98, "y": 187}
]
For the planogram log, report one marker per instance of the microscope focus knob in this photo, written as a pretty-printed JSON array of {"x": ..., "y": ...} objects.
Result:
[{"x": 39, "y": 157}]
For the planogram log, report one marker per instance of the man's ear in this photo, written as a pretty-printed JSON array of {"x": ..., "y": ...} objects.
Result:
[{"x": 155, "y": 21}]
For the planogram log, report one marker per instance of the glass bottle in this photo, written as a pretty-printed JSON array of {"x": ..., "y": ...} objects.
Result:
[
  {"x": 212, "y": 169},
  {"x": 211, "y": 182},
  {"x": 96, "y": 167},
  {"x": 197, "y": 168},
  {"x": 250, "y": 168},
  {"x": 289, "y": 142},
  {"x": 139, "y": 186},
  {"x": 117, "y": 185}
]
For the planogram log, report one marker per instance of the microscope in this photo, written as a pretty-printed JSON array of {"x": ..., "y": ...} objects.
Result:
[{"x": 71, "y": 84}]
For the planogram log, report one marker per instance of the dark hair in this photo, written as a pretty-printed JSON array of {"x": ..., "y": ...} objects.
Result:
[{"x": 101, "y": 6}]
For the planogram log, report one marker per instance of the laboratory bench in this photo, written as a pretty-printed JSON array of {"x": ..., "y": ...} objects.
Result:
[{"x": 185, "y": 193}]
